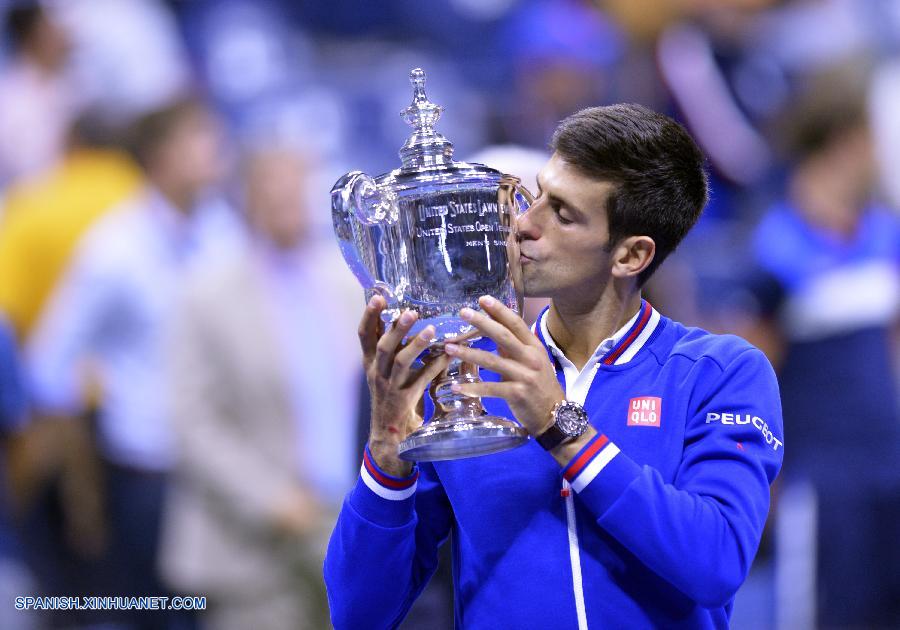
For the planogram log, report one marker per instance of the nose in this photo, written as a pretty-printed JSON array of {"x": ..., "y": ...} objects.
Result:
[{"x": 527, "y": 228}]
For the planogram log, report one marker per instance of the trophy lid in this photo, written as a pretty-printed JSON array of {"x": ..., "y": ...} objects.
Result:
[{"x": 425, "y": 147}]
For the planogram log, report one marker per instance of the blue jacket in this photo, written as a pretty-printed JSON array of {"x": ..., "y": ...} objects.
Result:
[{"x": 654, "y": 524}]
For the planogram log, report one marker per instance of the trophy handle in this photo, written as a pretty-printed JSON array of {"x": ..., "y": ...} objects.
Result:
[
  {"x": 522, "y": 199},
  {"x": 360, "y": 207},
  {"x": 514, "y": 194},
  {"x": 518, "y": 199},
  {"x": 369, "y": 202}
]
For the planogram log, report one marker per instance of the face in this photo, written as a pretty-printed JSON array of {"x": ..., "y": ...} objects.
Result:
[
  {"x": 853, "y": 162},
  {"x": 50, "y": 43},
  {"x": 275, "y": 204},
  {"x": 564, "y": 235},
  {"x": 843, "y": 174},
  {"x": 192, "y": 154}
]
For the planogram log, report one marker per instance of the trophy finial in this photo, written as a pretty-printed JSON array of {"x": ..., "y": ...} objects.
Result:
[
  {"x": 425, "y": 146},
  {"x": 422, "y": 114},
  {"x": 417, "y": 78}
]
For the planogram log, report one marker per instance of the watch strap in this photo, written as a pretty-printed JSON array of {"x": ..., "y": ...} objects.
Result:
[
  {"x": 551, "y": 438},
  {"x": 555, "y": 434}
]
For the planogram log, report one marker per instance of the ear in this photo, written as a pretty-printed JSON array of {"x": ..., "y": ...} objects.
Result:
[{"x": 632, "y": 255}]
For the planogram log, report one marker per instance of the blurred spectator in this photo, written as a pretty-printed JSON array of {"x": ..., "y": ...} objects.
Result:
[
  {"x": 15, "y": 578},
  {"x": 694, "y": 63},
  {"x": 36, "y": 98},
  {"x": 884, "y": 96},
  {"x": 44, "y": 217},
  {"x": 265, "y": 391},
  {"x": 128, "y": 57},
  {"x": 104, "y": 328},
  {"x": 828, "y": 294},
  {"x": 562, "y": 55},
  {"x": 42, "y": 223}
]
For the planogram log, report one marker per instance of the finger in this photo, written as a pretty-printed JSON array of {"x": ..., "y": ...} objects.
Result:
[
  {"x": 508, "y": 369},
  {"x": 466, "y": 337},
  {"x": 430, "y": 372},
  {"x": 387, "y": 345},
  {"x": 415, "y": 421},
  {"x": 502, "y": 336},
  {"x": 484, "y": 389},
  {"x": 403, "y": 360},
  {"x": 508, "y": 317},
  {"x": 368, "y": 327}
]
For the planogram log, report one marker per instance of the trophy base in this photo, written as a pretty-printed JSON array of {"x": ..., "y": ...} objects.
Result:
[{"x": 458, "y": 438}]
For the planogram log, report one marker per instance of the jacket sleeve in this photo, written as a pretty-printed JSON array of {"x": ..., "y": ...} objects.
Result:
[
  {"x": 701, "y": 531},
  {"x": 384, "y": 547},
  {"x": 83, "y": 316}
]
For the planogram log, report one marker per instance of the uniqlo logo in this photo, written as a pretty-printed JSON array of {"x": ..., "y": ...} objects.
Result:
[{"x": 644, "y": 411}]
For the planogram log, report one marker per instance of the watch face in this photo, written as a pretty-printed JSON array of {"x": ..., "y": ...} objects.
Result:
[{"x": 571, "y": 419}]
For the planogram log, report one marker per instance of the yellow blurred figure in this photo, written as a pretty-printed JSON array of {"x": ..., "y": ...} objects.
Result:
[{"x": 43, "y": 219}]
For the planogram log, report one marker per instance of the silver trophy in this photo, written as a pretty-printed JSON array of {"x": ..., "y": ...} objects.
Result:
[{"x": 433, "y": 236}]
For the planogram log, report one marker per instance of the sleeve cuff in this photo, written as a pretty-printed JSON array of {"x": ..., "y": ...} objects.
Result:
[
  {"x": 600, "y": 472},
  {"x": 382, "y": 498}
]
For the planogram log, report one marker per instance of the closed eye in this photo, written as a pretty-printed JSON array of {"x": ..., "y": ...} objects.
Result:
[{"x": 559, "y": 217}]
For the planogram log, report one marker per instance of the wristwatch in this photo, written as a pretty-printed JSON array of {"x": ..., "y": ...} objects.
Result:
[{"x": 570, "y": 421}]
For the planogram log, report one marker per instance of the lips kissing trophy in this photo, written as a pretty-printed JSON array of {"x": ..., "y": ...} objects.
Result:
[{"x": 433, "y": 236}]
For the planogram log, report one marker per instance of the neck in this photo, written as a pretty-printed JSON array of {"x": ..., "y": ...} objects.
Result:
[
  {"x": 579, "y": 328},
  {"x": 280, "y": 252},
  {"x": 47, "y": 65},
  {"x": 181, "y": 199}
]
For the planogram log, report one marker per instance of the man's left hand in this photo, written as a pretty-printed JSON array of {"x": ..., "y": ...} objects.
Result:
[{"x": 529, "y": 383}]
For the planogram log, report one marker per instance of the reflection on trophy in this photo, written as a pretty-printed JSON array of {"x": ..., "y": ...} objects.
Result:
[{"x": 433, "y": 236}]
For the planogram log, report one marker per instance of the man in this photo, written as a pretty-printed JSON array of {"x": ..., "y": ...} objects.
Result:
[
  {"x": 15, "y": 577},
  {"x": 259, "y": 476},
  {"x": 104, "y": 329},
  {"x": 642, "y": 498},
  {"x": 43, "y": 218},
  {"x": 826, "y": 283},
  {"x": 37, "y": 97}
]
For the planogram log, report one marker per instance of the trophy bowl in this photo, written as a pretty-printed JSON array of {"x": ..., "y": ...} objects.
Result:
[{"x": 433, "y": 236}]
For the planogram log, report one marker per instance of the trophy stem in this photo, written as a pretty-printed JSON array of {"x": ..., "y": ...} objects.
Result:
[
  {"x": 460, "y": 426},
  {"x": 449, "y": 404}
]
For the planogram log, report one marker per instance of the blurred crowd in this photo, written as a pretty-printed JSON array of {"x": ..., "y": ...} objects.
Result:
[{"x": 181, "y": 401}]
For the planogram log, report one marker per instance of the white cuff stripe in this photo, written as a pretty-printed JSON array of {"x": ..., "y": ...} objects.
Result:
[
  {"x": 385, "y": 493},
  {"x": 593, "y": 469}
]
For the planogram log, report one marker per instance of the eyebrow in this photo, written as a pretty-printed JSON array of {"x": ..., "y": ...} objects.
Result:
[{"x": 560, "y": 201}]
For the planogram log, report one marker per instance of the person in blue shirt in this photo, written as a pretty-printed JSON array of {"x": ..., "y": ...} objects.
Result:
[
  {"x": 642, "y": 499},
  {"x": 15, "y": 577},
  {"x": 825, "y": 278}
]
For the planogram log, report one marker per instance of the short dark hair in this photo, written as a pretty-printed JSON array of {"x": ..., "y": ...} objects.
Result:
[
  {"x": 153, "y": 129},
  {"x": 830, "y": 105},
  {"x": 656, "y": 168},
  {"x": 21, "y": 21}
]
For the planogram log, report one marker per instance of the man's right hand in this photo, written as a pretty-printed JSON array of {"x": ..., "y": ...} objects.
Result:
[{"x": 394, "y": 386}]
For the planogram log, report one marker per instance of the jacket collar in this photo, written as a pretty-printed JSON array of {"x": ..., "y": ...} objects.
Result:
[{"x": 618, "y": 349}]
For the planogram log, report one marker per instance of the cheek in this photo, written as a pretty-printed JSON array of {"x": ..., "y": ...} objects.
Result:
[
  {"x": 578, "y": 253},
  {"x": 201, "y": 153},
  {"x": 578, "y": 263}
]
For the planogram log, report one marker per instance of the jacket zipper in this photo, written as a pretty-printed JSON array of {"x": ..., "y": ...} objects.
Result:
[{"x": 574, "y": 555}]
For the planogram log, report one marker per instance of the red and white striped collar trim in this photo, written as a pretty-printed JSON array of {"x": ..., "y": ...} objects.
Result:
[{"x": 627, "y": 341}]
